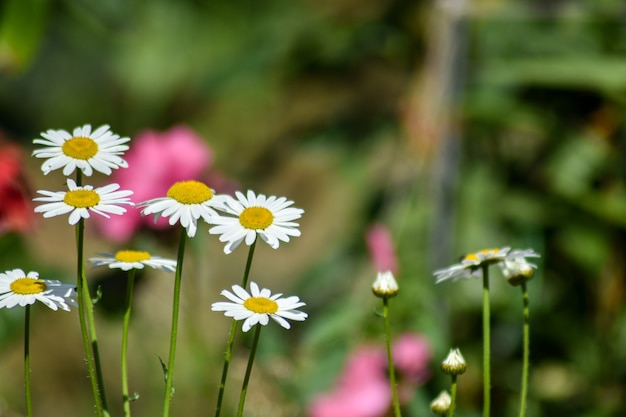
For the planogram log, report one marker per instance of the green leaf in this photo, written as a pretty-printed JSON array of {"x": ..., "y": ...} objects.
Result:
[{"x": 21, "y": 28}]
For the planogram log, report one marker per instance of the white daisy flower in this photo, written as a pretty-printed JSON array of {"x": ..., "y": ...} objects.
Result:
[
  {"x": 186, "y": 201},
  {"x": 79, "y": 201},
  {"x": 259, "y": 306},
  {"x": 18, "y": 288},
  {"x": 470, "y": 264},
  {"x": 83, "y": 149},
  {"x": 133, "y": 259},
  {"x": 269, "y": 217}
]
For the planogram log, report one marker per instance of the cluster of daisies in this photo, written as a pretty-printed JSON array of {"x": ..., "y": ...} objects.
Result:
[
  {"x": 513, "y": 263},
  {"x": 237, "y": 219},
  {"x": 518, "y": 271}
]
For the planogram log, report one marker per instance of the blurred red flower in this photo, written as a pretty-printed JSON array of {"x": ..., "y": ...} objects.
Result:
[{"x": 16, "y": 211}]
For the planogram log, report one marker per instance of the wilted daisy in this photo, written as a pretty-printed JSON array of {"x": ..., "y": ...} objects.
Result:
[
  {"x": 470, "y": 264},
  {"x": 133, "y": 259},
  {"x": 258, "y": 306},
  {"x": 82, "y": 149},
  {"x": 517, "y": 271},
  {"x": 269, "y": 217},
  {"x": 79, "y": 201},
  {"x": 19, "y": 288},
  {"x": 186, "y": 201}
]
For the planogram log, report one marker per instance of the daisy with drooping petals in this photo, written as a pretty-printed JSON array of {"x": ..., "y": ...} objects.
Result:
[
  {"x": 269, "y": 217},
  {"x": 258, "y": 306},
  {"x": 19, "y": 288},
  {"x": 79, "y": 201},
  {"x": 186, "y": 201},
  {"x": 82, "y": 149},
  {"x": 470, "y": 265},
  {"x": 133, "y": 259}
]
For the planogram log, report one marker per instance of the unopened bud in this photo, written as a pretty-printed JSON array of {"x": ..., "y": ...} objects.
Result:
[
  {"x": 385, "y": 285},
  {"x": 441, "y": 404},
  {"x": 454, "y": 364}
]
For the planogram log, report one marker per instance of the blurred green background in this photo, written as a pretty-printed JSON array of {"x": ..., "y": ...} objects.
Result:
[{"x": 458, "y": 125}]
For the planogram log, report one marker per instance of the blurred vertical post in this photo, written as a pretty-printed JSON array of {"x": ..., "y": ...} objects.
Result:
[
  {"x": 449, "y": 49},
  {"x": 432, "y": 119}
]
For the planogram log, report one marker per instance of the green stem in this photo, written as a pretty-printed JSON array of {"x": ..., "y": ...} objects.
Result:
[
  {"x": 169, "y": 379},
  {"x": 88, "y": 309},
  {"x": 526, "y": 360},
  {"x": 127, "y": 311},
  {"x": 453, "y": 397},
  {"x": 486, "y": 344},
  {"x": 246, "y": 274},
  {"x": 29, "y": 403},
  {"x": 246, "y": 379},
  {"x": 80, "y": 299},
  {"x": 231, "y": 337},
  {"x": 392, "y": 373}
]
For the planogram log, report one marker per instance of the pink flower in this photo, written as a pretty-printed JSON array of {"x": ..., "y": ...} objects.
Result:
[
  {"x": 155, "y": 162},
  {"x": 16, "y": 212},
  {"x": 381, "y": 249},
  {"x": 363, "y": 389}
]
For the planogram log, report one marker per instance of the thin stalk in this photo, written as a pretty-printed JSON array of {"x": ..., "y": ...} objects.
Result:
[
  {"x": 392, "y": 373},
  {"x": 231, "y": 337},
  {"x": 453, "y": 397},
  {"x": 486, "y": 344},
  {"x": 94, "y": 345},
  {"x": 29, "y": 403},
  {"x": 246, "y": 379},
  {"x": 80, "y": 299},
  {"x": 129, "y": 302},
  {"x": 169, "y": 379},
  {"x": 526, "y": 359}
]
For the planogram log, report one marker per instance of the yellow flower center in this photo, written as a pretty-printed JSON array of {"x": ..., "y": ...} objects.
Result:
[
  {"x": 190, "y": 192},
  {"x": 474, "y": 256},
  {"x": 81, "y": 198},
  {"x": 80, "y": 148},
  {"x": 132, "y": 256},
  {"x": 26, "y": 286},
  {"x": 261, "y": 305},
  {"x": 256, "y": 218}
]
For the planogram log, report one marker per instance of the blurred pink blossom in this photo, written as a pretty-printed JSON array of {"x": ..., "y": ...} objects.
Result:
[
  {"x": 156, "y": 160},
  {"x": 381, "y": 248},
  {"x": 363, "y": 389},
  {"x": 411, "y": 353}
]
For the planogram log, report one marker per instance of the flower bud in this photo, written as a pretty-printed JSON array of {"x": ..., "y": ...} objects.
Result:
[
  {"x": 441, "y": 404},
  {"x": 385, "y": 285},
  {"x": 454, "y": 364},
  {"x": 517, "y": 271}
]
